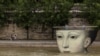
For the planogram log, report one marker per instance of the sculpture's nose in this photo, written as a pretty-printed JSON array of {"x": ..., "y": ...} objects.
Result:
[
  {"x": 65, "y": 46},
  {"x": 65, "y": 43}
]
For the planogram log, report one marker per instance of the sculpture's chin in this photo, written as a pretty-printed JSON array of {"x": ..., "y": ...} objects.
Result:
[
  {"x": 66, "y": 51},
  {"x": 82, "y": 51}
]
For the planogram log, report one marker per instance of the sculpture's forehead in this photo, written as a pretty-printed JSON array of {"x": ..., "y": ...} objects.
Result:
[{"x": 70, "y": 32}]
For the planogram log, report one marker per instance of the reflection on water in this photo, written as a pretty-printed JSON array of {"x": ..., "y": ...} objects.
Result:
[{"x": 94, "y": 51}]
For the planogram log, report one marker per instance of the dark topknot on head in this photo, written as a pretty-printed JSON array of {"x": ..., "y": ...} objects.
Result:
[{"x": 93, "y": 34}]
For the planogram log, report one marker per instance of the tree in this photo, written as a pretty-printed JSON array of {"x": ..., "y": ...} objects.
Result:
[
  {"x": 55, "y": 12},
  {"x": 25, "y": 13},
  {"x": 25, "y": 17},
  {"x": 45, "y": 12},
  {"x": 92, "y": 12},
  {"x": 5, "y": 6}
]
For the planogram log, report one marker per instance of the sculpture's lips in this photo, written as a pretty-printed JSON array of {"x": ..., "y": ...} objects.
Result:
[{"x": 67, "y": 49}]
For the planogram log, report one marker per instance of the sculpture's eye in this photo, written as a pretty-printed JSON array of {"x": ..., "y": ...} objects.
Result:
[
  {"x": 73, "y": 37},
  {"x": 59, "y": 36}
]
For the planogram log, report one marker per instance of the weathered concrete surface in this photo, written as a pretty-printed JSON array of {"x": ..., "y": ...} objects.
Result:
[
  {"x": 34, "y": 43},
  {"x": 30, "y": 51}
]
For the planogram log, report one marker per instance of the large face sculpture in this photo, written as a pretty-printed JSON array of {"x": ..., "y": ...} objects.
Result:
[{"x": 72, "y": 41}]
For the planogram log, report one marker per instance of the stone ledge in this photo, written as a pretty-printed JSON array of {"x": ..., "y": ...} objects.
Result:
[{"x": 34, "y": 43}]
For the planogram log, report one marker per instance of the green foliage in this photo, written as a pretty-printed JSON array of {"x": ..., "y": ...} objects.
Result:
[
  {"x": 6, "y": 5},
  {"x": 48, "y": 12},
  {"x": 92, "y": 12},
  {"x": 29, "y": 12},
  {"x": 3, "y": 19},
  {"x": 56, "y": 11}
]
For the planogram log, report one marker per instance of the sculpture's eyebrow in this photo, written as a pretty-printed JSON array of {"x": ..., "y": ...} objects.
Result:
[
  {"x": 73, "y": 34},
  {"x": 60, "y": 35}
]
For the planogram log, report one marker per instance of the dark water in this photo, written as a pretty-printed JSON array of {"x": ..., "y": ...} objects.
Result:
[{"x": 23, "y": 51}]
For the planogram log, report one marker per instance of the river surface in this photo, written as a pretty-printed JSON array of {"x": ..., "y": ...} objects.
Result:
[{"x": 39, "y": 51}]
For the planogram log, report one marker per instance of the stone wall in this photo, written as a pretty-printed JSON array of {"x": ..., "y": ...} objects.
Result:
[
  {"x": 8, "y": 31},
  {"x": 34, "y": 33}
]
